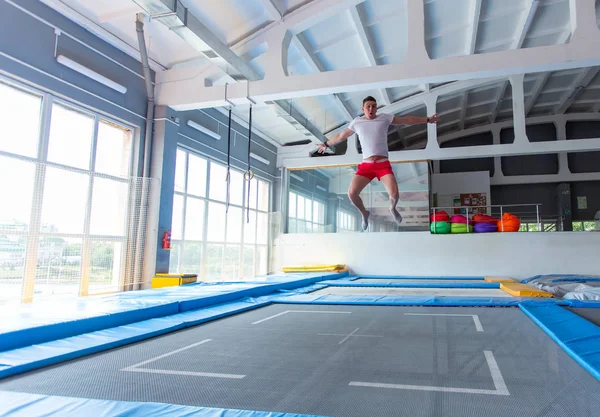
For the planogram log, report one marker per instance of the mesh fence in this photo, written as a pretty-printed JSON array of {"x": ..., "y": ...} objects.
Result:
[{"x": 73, "y": 232}]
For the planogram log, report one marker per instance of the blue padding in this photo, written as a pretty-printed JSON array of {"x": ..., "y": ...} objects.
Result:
[
  {"x": 414, "y": 284},
  {"x": 331, "y": 299},
  {"x": 37, "y": 356},
  {"x": 577, "y": 336},
  {"x": 414, "y": 277},
  {"x": 16, "y": 404},
  {"x": 42, "y": 322},
  {"x": 62, "y": 320}
]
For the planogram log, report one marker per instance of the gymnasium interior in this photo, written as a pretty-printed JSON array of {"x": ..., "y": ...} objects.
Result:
[{"x": 173, "y": 244}]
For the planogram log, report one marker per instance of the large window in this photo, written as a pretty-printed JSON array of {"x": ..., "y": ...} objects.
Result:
[
  {"x": 209, "y": 239},
  {"x": 346, "y": 221},
  {"x": 305, "y": 214},
  {"x": 66, "y": 187}
]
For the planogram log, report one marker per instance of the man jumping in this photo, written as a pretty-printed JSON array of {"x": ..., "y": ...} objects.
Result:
[{"x": 372, "y": 131}]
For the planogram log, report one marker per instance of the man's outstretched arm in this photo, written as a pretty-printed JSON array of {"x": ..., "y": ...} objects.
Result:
[
  {"x": 340, "y": 137},
  {"x": 414, "y": 120}
]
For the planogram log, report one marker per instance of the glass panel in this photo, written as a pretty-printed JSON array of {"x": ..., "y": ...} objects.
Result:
[
  {"x": 106, "y": 266},
  {"x": 174, "y": 255},
  {"x": 177, "y": 219},
  {"x": 71, "y": 135},
  {"x": 113, "y": 149},
  {"x": 194, "y": 219},
  {"x": 231, "y": 263},
  {"x": 216, "y": 222},
  {"x": 292, "y": 206},
  {"x": 248, "y": 262},
  {"x": 236, "y": 193},
  {"x": 12, "y": 266},
  {"x": 197, "y": 172},
  {"x": 263, "y": 195},
  {"x": 191, "y": 262},
  {"x": 234, "y": 224},
  {"x": 263, "y": 228},
  {"x": 180, "y": 166},
  {"x": 250, "y": 228},
  {"x": 315, "y": 212},
  {"x": 218, "y": 182},
  {"x": 300, "y": 207},
  {"x": 253, "y": 194},
  {"x": 293, "y": 226},
  {"x": 212, "y": 260},
  {"x": 308, "y": 209},
  {"x": 109, "y": 205},
  {"x": 58, "y": 267},
  {"x": 59, "y": 215},
  {"x": 20, "y": 120},
  {"x": 14, "y": 216},
  {"x": 322, "y": 213},
  {"x": 262, "y": 260},
  {"x": 589, "y": 226}
]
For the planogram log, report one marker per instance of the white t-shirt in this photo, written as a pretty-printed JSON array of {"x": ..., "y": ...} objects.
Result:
[{"x": 372, "y": 134}]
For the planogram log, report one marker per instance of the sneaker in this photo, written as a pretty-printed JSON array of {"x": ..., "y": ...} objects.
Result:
[
  {"x": 397, "y": 216},
  {"x": 365, "y": 221}
]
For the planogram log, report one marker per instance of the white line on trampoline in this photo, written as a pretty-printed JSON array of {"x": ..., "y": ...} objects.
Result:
[
  {"x": 499, "y": 385},
  {"x": 475, "y": 317},
  {"x": 136, "y": 367},
  {"x": 347, "y": 336},
  {"x": 301, "y": 311}
]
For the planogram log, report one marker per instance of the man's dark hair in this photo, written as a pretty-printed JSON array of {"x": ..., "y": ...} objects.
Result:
[{"x": 369, "y": 98}]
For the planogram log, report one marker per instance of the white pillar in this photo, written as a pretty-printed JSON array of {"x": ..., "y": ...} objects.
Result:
[
  {"x": 518, "y": 102},
  {"x": 497, "y": 159},
  {"x": 432, "y": 140},
  {"x": 583, "y": 20},
  {"x": 561, "y": 134},
  {"x": 415, "y": 11}
]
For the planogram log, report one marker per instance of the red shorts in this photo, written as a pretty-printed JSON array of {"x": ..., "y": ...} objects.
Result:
[{"x": 371, "y": 170}]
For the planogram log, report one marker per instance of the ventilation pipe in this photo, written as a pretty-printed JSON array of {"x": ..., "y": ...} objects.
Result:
[{"x": 139, "y": 27}]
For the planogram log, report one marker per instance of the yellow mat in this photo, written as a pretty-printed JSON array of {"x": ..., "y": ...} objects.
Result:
[
  {"x": 523, "y": 290},
  {"x": 173, "y": 280},
  {"x": 314, "y": 268},
  {"x": 498, "y": 279}
]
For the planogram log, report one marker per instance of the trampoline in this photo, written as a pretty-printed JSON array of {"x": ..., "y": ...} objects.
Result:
[
  {"x": 300, "y": 346},
  {"x": 340, "y": 361}
]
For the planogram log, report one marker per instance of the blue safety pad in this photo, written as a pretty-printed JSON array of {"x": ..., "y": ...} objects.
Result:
[
  {"x": 16, "y": 404},
  {"x": 577, "y": 336},
  {"x": 40, "y": 322},
  {"x": 342, "y": 283},
  {"x": 445, "y": 301},
  {"x": 415, "y": 277},
  {"x": 24, "y": 359}
]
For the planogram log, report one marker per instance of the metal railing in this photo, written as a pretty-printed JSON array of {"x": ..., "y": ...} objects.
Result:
[{"x": 500, "y": 210}]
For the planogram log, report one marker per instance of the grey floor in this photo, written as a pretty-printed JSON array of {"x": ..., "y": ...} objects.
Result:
[
  {"x": 454, "y": 292},
  {"x": 307, "y": 359}
]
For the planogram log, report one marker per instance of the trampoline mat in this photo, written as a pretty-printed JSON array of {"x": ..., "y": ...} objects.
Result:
[
  {"x": 415, "y": 281},
  {"x": 346, "y": 361},
  {"x": 451, "y": 292},
  {"x": 590, "y": 314}
]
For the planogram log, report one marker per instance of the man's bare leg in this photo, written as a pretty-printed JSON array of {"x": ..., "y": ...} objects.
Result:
[
  {"x": 391, "y": 186},
  {"x": 356, "y": 186}
]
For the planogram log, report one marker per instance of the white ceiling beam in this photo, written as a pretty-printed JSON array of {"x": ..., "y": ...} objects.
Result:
[
  {"x": 367, "y": 49},
  {"x": 316, "y": 66},
  {"x": 468, "y": 152},
  {"x": 474, "y": 15},
  {"x": 521, "y": 30},
  {"x": 271, "y": 9},
  {"x": 191, "y": 93},
  {"x": 586, "y": 76}
]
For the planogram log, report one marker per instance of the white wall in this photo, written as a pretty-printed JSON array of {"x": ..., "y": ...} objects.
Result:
[
  {"x": 447, "y": 185},
  {"x": 519, "y": 255}
]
